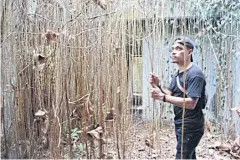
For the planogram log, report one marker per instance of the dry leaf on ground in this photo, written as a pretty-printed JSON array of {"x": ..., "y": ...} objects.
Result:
[
  {"x": 236, "y": 146},
  {"x": 222, "y": 147},
  {"x": 148, "y": 143},
  {"x": 95, "y": 133}
]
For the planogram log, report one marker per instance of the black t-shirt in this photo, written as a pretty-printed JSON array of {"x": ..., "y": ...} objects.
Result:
[{"x": 195, "y": 88}]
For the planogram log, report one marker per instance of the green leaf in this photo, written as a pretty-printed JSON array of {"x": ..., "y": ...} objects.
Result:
[
  {"x": 74, "y": 135},
  {"x": 80, "y": 148},
  {"x": 66, "y": 156},
  {"x": 74, "y": 129}
]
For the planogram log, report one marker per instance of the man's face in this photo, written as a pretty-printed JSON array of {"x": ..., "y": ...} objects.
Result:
[{"x": 179, "y": 51}]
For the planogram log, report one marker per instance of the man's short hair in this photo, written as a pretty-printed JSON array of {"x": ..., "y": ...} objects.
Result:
[{"x": 186, "y": 41}]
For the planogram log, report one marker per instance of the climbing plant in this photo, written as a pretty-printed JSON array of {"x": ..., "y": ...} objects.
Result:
[{"x": 219, "y": 21}]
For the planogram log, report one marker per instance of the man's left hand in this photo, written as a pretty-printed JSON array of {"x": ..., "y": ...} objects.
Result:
[{"x": 156, "y": 93}]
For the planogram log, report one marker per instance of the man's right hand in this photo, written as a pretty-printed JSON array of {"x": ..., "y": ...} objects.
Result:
[{"x": 153, "y": 80}]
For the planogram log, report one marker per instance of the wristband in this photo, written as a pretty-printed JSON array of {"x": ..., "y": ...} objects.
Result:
[{"x": 164, "y": 98}]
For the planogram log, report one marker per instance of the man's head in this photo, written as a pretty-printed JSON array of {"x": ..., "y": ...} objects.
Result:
[{"x": 182, "y": 47}]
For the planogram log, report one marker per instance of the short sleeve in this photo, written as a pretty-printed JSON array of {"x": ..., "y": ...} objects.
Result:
[
  {"x": 195, "y": 87},
  {"x": 172, "y": 84}
]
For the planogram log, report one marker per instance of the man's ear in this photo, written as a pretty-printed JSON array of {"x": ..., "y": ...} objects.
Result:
[{"x": 190, "y": 51}]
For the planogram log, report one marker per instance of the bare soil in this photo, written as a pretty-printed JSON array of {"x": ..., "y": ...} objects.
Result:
[
  {"x": 164, "y": 145},
  {"x": 144, "y": 143}
]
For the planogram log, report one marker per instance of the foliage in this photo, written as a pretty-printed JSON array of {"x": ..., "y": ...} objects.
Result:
[
  {"x": 216, "y": 14},
  {"x": 217, "y": 22},
  {"x": 75, "y": 134},
  {"x": 78, "y": 148}
]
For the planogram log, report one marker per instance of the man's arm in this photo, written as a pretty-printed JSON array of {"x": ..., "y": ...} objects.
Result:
[{"x": 189, "y": 102}]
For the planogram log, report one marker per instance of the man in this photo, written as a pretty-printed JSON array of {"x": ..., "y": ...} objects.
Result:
[{"x": 193, "y": 101}]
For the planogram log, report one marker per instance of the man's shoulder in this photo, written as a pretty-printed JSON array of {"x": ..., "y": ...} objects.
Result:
[{"x": 195, "y": 71}]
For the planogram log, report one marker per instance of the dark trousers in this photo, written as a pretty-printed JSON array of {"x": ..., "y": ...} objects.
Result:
[{"x": 190, "y": 142}]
